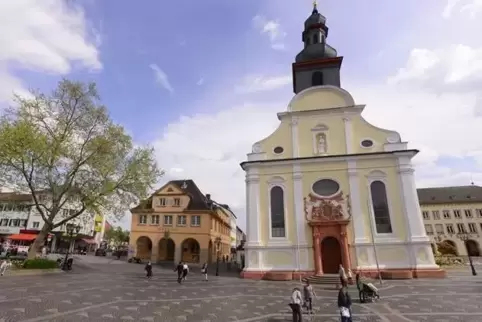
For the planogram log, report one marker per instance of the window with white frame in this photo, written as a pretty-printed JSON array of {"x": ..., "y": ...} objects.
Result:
[
  {"x": 468, "y": 213},
  {"x": 181, "y": 220},
  {"x": 155, "y": 220},
  {"x": 277, "y": 212},
  {"x": 457, "y": 214},
  {"x": 177, "y": 202},
  {"x": 167, "y": 220},
  {"x": 436, "y": 215},
  {"x": 4, "y": 222},
  {"x": 36, "y": 224},
  {"x": 162, "y": 202},
  {"x": 439, "y": 229},
  {"x": 450, "y": 229},
  {"x": 446, "y": 214},
  {"x": 429, "y": 229},
  {"x": 425, "y": 215},
  {"x": 142, "y": 219},
  {"x": 461, "y": 228},
  {"x": 196, "y": 221},
  {"x": 381, "y": 212},
  {"x": 472, "y": 228},
  {"x": 478, "y": 212}
]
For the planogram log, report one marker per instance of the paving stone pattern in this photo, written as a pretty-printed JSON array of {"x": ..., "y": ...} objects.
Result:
[{"x": 121, "y": 293}]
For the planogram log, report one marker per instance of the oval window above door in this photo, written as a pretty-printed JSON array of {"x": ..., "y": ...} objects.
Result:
[{"x": 326, "y": 187}]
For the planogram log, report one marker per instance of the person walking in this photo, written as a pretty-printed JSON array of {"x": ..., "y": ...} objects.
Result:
[
  {"x": 204, "y": 271},
  {"x": 295, "y": 304},
  {"x": 148, "y": 269},
  {"x": 3, "y": 266},
  {"x": 309, "y": 293},
  {"x": 342, "y": 274},
  {"x": 178, "y": 268},
  {"x": 344, "y": 303},
  {"x": 185, "y": 270}
]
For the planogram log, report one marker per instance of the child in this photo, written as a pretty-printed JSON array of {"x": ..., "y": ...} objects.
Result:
[{"x": 148, "y": 269}]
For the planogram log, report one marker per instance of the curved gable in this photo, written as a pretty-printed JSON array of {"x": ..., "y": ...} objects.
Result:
[{"x": 320, "y": 97}]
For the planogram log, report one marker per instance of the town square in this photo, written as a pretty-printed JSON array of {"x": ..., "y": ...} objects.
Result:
[
  {"x": 241, "y": 161},
  {"x": 102, "y": 290}
]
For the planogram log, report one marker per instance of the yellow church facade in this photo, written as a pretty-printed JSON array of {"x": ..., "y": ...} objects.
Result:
[{"x": 329, "y": 188}]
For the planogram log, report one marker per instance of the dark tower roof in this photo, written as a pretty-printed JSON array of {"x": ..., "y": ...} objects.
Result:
[{"x": 314, "y": 25}]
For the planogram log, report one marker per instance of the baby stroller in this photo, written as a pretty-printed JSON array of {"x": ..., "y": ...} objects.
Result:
[{"x": 367, "y": 291}]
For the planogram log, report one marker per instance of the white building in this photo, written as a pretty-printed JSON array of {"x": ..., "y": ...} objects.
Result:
[{"x": 14, "y": 213}]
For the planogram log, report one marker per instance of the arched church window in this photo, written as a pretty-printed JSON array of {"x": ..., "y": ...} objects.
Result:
[
  {"x": 380, "y": 208},
  {"x": 277, "y": 214},
  {"x": 317, "y": 79},
  {"x": 316, "y": 37}
]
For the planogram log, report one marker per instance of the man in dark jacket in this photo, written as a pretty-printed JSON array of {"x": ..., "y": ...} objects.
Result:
[{"x": 179, "y": 269}]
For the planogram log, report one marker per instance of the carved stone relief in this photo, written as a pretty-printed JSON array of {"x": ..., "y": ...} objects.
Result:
[
  {"x": 256, "y": 148},
  {"x": 319, "y": 209}
]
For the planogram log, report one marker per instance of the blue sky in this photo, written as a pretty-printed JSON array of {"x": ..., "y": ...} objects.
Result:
[{"x": 202, "y": 81}]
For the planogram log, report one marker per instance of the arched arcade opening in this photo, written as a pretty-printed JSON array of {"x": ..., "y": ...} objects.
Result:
[
  {"x": 144, "y": 247},
  {"x": 167, "y": 249},
  {"x": 190, "y": 251}
]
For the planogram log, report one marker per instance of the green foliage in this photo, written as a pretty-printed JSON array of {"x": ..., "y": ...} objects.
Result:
[
  {"x": 64, "y": 149},
  {"x": 40, "y": 263},
  {"x": 446, "y": 248},
  {"x": 448, "y": 260},
  {"x": 117, "y": 236}
]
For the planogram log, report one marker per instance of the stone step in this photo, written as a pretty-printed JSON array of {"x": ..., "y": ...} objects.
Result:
[{"x": 323, "y": 279}]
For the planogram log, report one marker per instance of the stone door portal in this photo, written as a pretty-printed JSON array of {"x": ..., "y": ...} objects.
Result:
[{"x": 331, "y": 255}]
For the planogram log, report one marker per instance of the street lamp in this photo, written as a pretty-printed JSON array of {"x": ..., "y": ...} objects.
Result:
[
  {"x": 70, "y": 228},
  {"x": 218, "y": 243},
  {"x": 465, "y": 237}
]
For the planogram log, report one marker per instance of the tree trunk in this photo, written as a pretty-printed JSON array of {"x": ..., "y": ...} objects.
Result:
[{"x": 39, "y": 242}]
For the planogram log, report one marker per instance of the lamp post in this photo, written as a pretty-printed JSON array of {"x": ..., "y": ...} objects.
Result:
[
  {"x": 465, "y": 237},
  {"x": 70, "y": 228},
  {"x": 218, "y": 243}
]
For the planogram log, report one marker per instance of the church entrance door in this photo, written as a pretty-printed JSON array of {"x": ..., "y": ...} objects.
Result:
[{"x": 331, "y": 255}]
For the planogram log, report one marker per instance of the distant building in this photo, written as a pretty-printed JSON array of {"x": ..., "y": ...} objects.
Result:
[
  {"x": 178, "y": 222},
  {"x": 240, "y": 236},
  {"x": 20, "y": 223},
  {"x": 450, "y": 211}
]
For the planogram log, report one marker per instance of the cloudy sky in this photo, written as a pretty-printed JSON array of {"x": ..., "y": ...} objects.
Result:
[{"x": 203, "y": 80}]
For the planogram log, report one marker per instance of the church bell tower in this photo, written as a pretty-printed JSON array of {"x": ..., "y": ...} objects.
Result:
[{"x": 318, "y": 63}]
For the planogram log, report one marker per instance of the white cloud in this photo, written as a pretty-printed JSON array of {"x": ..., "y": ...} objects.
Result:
[
  {"x": 470, "y": 7},
  {"x": 44, "y": 36},
  {"x": 273, "y": 29},
  {"x": 161, "y": 78},
  {"x": 258, "y": 83},
  {"x": 457, "y": 65}
]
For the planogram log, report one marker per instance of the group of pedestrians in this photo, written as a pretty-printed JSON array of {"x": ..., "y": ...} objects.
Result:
[
  {"x": 304, "y": 300},
  {"x": 182, "y": 270}
]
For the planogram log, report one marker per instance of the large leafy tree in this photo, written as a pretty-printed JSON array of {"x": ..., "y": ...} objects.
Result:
[
  {"x": 116, "y": 236},
  {"x": 64, "y": 150}
]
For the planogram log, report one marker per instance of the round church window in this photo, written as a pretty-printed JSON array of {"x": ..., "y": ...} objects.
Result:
[
  {"x": 367, "y": 143},
  {"x": 278, "y": 150},
  {"x": 326, "y": 187}
]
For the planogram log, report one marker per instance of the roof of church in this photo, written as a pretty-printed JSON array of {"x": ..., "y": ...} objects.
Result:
[{"x": 457, "y": 194}]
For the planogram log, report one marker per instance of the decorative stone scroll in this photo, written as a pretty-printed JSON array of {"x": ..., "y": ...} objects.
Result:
[{"x": 322, "y": 209}]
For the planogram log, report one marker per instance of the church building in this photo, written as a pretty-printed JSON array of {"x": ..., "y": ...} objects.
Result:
[{"x": 329, "y": 188}]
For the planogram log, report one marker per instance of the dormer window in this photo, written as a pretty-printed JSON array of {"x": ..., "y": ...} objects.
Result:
[
  {"x": 162, "y": 202},
  {"x": 177, "y": 202}
]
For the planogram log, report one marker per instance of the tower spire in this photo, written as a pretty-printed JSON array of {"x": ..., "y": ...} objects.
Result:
[{"x": 315, "y": 6}]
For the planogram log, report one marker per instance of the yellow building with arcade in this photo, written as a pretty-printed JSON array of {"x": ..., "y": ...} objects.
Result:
[{"x": 329, "y": 188}]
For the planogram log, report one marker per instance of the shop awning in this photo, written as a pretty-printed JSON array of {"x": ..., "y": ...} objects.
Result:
[
  {"x": 88, "y": 241},
  {"x": 24, "y": 237}
]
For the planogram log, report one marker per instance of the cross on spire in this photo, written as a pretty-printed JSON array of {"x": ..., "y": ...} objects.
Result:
[{"x": 315, "y": 6}]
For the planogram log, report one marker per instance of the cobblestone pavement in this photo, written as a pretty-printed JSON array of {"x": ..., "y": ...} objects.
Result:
[{"x": 106, "y": 292}]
